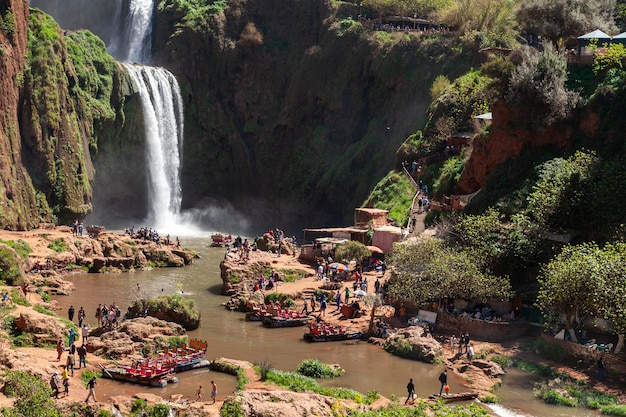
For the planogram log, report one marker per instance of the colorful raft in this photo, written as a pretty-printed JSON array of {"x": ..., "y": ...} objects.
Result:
[
  {"x": 160, "y": 371},
  {"x": 323, "y": 332}
]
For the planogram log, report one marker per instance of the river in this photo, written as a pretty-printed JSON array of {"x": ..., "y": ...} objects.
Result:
[{"x": 368, "y": 368}]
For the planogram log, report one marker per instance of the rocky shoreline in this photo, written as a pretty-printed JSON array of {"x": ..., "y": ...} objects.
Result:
[{"x": 297, "y": 280}]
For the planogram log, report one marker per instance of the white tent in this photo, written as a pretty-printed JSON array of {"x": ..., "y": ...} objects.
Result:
[
  {"x": 596, "y": 34},
  {"x": 621, "y": 38}
]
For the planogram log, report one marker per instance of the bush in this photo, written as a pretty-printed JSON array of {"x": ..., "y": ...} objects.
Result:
[
  {"x": 58, "y": 245},
  {"x": 490, "y": 399},
  {"x": 10, "y": 271},
  {"x": 315, "y": 368},
  {"x": 32, "y": 396},
  {"x": 556, "y": 398},
  {"x": 21, "y": 247},
  {"x": 263, "y": 369}
]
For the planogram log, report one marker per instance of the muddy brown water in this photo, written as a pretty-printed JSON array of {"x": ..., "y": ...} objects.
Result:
[{"x": 368, "y": 368}]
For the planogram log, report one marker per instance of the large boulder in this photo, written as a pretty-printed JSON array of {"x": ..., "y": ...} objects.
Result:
[
  {"x": 263, "y": 403},
  {"x": 414, "y": 343},
  {"x": 43, "y": 328},
  {"x": 174, "y": 308}
]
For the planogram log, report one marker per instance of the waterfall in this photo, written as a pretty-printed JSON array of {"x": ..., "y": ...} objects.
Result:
[
  {"x": 162, "y": 112},
  {"x": 163, "y": 123}
]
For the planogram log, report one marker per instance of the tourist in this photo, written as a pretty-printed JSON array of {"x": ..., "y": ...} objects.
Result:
[
  {"x": 82, "y": 355},
  {"x": 91, "y": 386},
  {"x": 600, "y": 369},
  {"x": 312, "y": 303},
  {"x": 470, "y": 353},
  {"x": 199, "y": 393},
  {"x": 99, "y": 311},
  {"x": 467, "y": 341},
  {"x": 81, "y": 316},
  {"x": 70, "y": 313},
  {"x": 213, "y": 392},
  {"x": 54, "y": 384},
  {"x": 443, "y": 378},
  {"x": 453, "y": 342},
  {"x": 66, "y": 384},
  {"x": 305, "y": 307},
  {"x": 85, "y": 332},
  {"x": 71, "y": 359},
  {"x": 461, "y": 343},
  {"x": 338, "y": 300},
  {"x": 347, "y": 296},
  {"x": 323, "y": 305},
  {"x": 60, "y": 349},
  {"x": 410, "y": 387}
]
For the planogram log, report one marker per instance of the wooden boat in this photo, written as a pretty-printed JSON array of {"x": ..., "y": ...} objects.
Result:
[
  {"x": 277, "y": 321},
  {"x": 160, "y": 371},
  {"x": 139, "y": 376},
  {"x": 219, "y": 240},
  {"x": 461, "y": 396},
  {"x": 336, "y": 337},
  {"x": 324, "y": 332},
  {"x": 256, "y": 315}
]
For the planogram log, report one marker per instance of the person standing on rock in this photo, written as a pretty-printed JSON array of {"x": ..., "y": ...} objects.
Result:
[
  {"x": 312, "y": 303},
  {"x": 70, "y": 313},
  {"x": 305, "y": 307},
  {"x": 81, "y": 316},
  {"x": 199, "y": 392},
  {"x": 443, "y": 378},
  {"x": 60, "y": 349},
  {"x": 410, "y": 388}
]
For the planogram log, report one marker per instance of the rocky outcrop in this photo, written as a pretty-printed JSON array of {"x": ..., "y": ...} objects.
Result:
[
  {"x": 43, "y": 328},
  {"x": 132, "y": 337},
  {"x": 171, "y": 308},
  {"x": 412, "y": 342},
  {"x": 263, "y": 403}
]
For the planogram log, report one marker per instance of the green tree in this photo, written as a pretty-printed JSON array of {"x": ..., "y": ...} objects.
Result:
[
  {"x": 573, "y": 284},
  {"x": 430, "y": 270},
  {"x": 560, "y": 19},
  {"x": 612, "y": 301},
  {"x": 537, "y": 87},
  {"x": 352, "y": 251}
]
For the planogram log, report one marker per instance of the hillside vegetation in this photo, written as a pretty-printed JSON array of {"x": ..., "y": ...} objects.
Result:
[{"x": 548, "y": 170}]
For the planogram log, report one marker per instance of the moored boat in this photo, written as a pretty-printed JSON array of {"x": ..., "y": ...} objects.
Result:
[
  {"x": 323, "y": 332},
  {"x": 160, "y": 371},
  {"x": 276, "y": 321}
]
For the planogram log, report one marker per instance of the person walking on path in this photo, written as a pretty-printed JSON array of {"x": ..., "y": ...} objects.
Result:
[
  {"x": 312, "y": 303},
  {"x": 54, "y": 384},
  {"x": 60, "y": 349},
  {"x": 199, "y": 393},
  {"x": 470, "y": 353},
  {"x": 323, "y": 305},
  {"x": 305, "y": 307},
  {"x": 410, "y": 388},
  {"x": 82, "y": 355},
  {"x": 347, "y": 296},
  {"x": 91, "y": 386},
  {"x": 213, "y": 391},
  {"x": 467, "y": 342},
  {"x": 70, "y": 313},
  {"x": 600, "y": 369},
  {"x": 443, "y": 378}
]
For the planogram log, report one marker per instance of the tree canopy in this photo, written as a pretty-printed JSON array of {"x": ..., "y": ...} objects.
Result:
[
  {"x": 430, "y": 270},
  {"x": 352, "y": 251},
  {"x": 558, "y": 19}
]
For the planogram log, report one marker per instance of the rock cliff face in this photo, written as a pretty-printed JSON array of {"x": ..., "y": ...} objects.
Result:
[
  {"x": 62, "y": 96},
  {"x": 295, "y": 111}
]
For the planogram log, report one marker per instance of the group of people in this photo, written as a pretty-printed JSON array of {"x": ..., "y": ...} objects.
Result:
[
  {"x": 412, "y": 395},
  {"x": 78, "y": 227},
  {"x": 59, "y": 380},
  {"x": 463, "y": 342},
  {"x": 108, "y": 317},
  {"x": 151, "y": 235}
]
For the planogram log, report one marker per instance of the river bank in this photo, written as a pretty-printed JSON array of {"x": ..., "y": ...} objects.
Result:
[{"x": 243, "y": 343}]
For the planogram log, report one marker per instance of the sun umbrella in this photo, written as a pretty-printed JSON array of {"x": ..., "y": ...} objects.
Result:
[
  {"x": 338, "y": 266},
  {"x": 375, "y": 249},
  {"x": 360, "y": 293}
]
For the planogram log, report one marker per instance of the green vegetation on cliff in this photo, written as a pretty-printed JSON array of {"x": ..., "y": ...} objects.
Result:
[{"x": 394, "y": 193}]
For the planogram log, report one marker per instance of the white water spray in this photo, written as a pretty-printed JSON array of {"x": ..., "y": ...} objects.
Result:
[
  {"x": 162, "y": 110},
  {"x": 163, "y": 117}
]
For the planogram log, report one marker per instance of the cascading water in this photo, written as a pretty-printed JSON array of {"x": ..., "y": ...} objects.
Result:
[{"x": 162, "y": 112}]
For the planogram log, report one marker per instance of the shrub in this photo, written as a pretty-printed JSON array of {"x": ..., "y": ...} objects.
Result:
[
  {"x": 556, "y": 398},
  {"x": 315, "y": 368},
  {"x": 503, "y": 361},
  {"x": 263, "y": 368},
  {"x": 441, "y": 83},
  {"x": 614, "y": 410},
  {"x": 45, "y": 297},
  {"x": 10, "y": 271},
  {"x": 32, "y": 395},
  {"x": 21, "y": 247},
  {"x": 43, "y": 310},
  {"x": 490, "y": 399},
  {"x": 58, "y": 245},
  {"x": 17, "y": 299}
]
